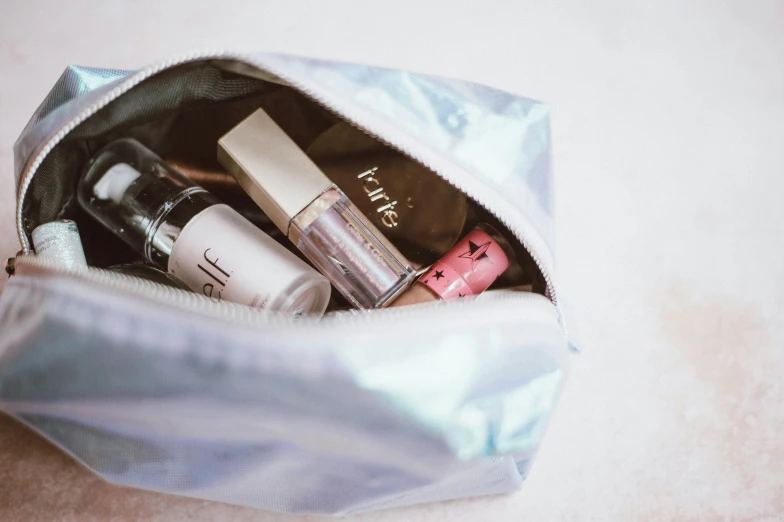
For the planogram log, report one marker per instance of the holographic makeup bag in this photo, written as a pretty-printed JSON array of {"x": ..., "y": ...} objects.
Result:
[{"x": 153, "y": 387}]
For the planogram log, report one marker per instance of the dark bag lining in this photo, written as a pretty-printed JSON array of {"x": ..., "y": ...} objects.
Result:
[{"x": 180, "y": 113}]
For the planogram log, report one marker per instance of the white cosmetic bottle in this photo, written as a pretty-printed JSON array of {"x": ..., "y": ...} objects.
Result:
[{"x": 180, "y": 227}]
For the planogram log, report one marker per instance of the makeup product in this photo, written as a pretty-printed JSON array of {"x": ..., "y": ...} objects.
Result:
[
  {"x": 180, "y": 227},
  {"x": 215, "y": 180},
  {"x": 467, "y": 270},
  {"x": 60, "y": 240},
  {"x": 416, "y": 209},
  {"x": 314, "y": 213}
]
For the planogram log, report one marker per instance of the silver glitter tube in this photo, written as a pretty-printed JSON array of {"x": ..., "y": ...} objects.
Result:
[{"x": 60, "y": 240}]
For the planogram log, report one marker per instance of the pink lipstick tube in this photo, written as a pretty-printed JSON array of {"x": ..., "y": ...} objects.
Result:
[{"x": 468, "y": 269}]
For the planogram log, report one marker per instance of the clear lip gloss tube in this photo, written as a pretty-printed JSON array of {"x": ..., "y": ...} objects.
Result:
[
  {"x": 180, "y": 227},
  {"x": 314, "y": 213}
]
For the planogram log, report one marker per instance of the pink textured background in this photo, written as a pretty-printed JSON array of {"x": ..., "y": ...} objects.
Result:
[{"x": 668, "y": 128}]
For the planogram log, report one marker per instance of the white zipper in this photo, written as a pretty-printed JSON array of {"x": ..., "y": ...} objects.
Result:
[
  {"x": 137, "y": 286},
  {"x": 31, "y": 265},
  {"x": 27, "y": 177},
  {"x": 345, "y": 113}
]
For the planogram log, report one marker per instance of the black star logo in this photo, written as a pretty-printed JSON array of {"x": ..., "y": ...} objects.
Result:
[
  {"x": 439, "y": 274},
  {"x": 476, "y": 253},
  {"x": 459, "y": 295}
]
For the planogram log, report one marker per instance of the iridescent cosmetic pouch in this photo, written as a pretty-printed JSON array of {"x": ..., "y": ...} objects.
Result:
[{"x": 154, "y": 387}]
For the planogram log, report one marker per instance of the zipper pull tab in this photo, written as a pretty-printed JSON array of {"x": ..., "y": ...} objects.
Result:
[{"x": 10, "y": 264}]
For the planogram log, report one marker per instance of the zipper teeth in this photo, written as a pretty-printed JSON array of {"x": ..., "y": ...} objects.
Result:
[
  {"x": 145, "y": 288},
  {"x": 444, "y": 175},
  {"x": 154, "y": 69},
  {"x": 237, "y": 313},
  {"x": 112, "y": 95}
]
